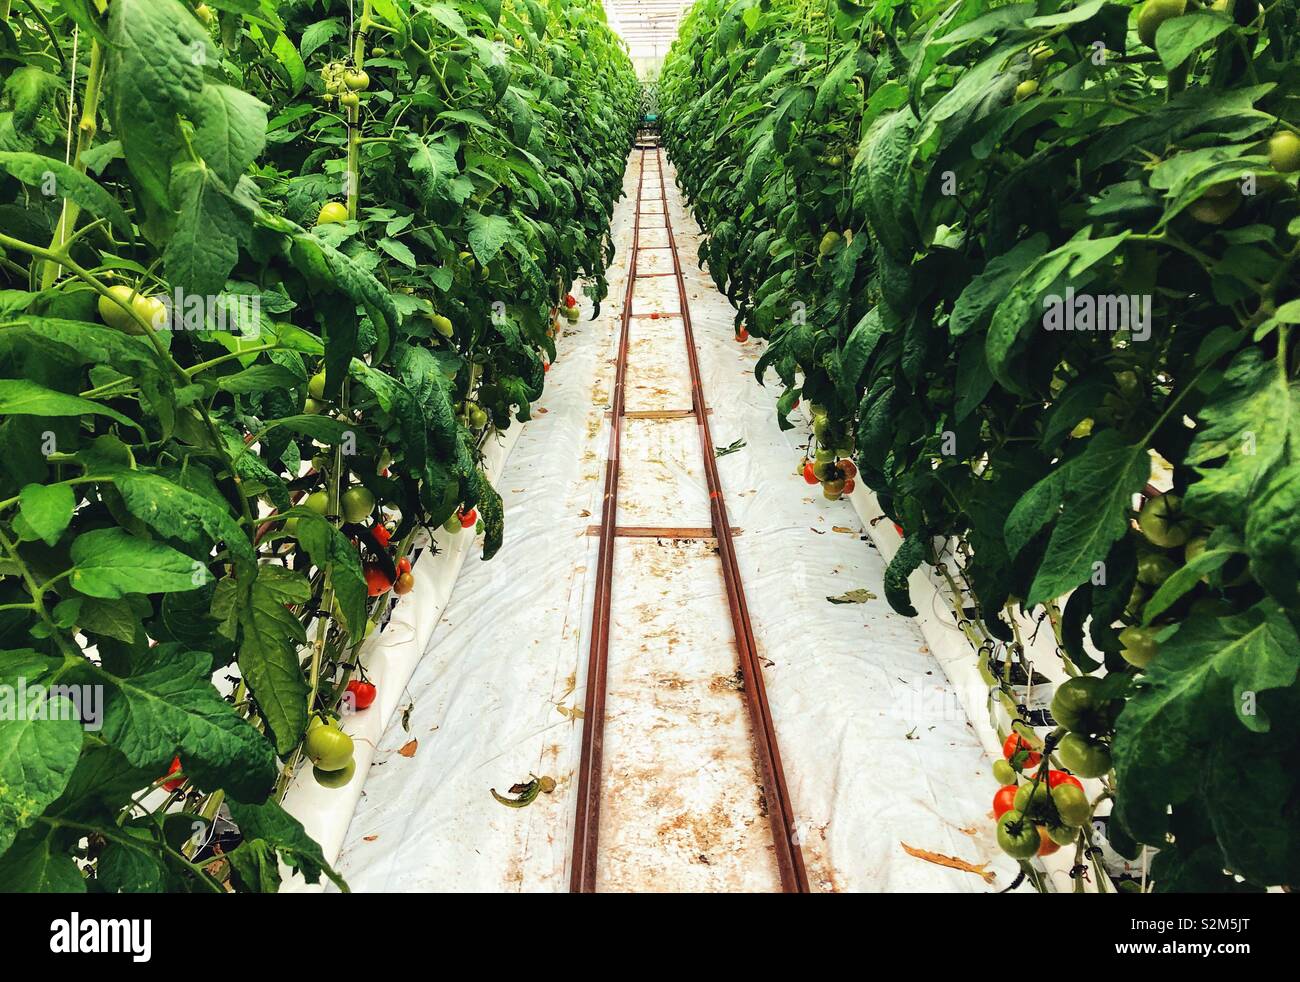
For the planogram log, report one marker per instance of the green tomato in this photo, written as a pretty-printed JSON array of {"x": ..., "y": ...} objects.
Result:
[
  {"x": 1017, "y": 835},
  {"x": 1003, "y": 772},
  {"x": 1025, "y": 89},
  {"x": 357, "y": 81},
  {"x": 314, "y": 407},
  {"x": 151, "y": 310},
  {"x": 332, "y": 213},
  {"x": 1071, "y": 805},
  {"x": 1163, "y": 523},
  {"x": 319, "y": 502},
  {"x": 328, "y": 747},
  {"x": 1034, "y": 799},
  {"x": 1154, "y": 13},
  {"x": 823, "y": 430},
  {"x": 1078, "y": 706},
  {"x": 478, "y": 418},
  {"x": 335, "y": 779},
  {"x": 452, "y": 524},
  {"x": 1154, "y": 568},
  {"x": 316, "y": 387},
  {"x": 442, "y": 325},
  {"x": 1137, "y": 599},
  {"x": 823, "y": 470},
  {"x": 1140, "y": 645},
  {"x": 829, "y": 243},
  {"x": 1084, "y": 756},
  {"x": 357, "y": 504},
  {"x": 1284, "y": 152}
]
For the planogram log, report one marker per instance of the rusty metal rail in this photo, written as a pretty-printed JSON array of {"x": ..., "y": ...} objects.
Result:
[{"x": 789, "y": 857}]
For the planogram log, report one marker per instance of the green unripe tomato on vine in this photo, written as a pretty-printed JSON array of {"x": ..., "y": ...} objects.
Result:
[
  {"x": 319, "y": 502},
  {"x": 442, "y": 325},
  {"x": 335, "y": 779},
  {"x": 357, "y": 81},
  {"x": 1084, "y": 756},
  {"x": 1025, "y": 89},
  {"x": 357, "y": 504},
  {"x": 1154, "y": 568},
  {"x": 1017, "y": 835},
  {"x": 1003, "y": 772},
  {"x": 1140, "y": 645},
  {"x": 1284, "y": 152},
  {"x": 1153, "y": 14},
  {"x": 332, "y": 213},
  {"x": 328, "y": 747},
  {"x": 1163, "y": 523},
  {"x": 316, "y": 387},
  {"x": 204, "y": 13},
  {"x": 349, "y": 100}
]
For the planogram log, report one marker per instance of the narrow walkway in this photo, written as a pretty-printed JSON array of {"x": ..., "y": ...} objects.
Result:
[{"x": 876, "y": 751}]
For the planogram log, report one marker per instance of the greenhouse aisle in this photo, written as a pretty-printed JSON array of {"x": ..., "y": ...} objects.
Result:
[{"x": 890, "y": 789}]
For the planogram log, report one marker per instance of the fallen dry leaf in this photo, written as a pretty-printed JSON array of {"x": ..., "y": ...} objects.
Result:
[
  {"x": 369, "y": 838},
  {"x": 408, "y": 749},
  {"x": 859, "y": 596},
  {"x": 987, "y": 875},
  {"x": 841, "y": 528}
]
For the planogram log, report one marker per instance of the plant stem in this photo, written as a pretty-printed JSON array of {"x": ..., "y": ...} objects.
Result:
[{"x": 85, "y": 135}]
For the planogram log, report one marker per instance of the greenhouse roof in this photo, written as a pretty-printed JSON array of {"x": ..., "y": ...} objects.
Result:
[{"x": 648, "y": 26}]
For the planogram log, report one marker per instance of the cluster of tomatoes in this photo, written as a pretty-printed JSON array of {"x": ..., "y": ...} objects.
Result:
[
  {"x": 344, "y": 84},
  {"x": 1169, "y": 540},
  {"x": 1038, "y": 809},
  {"x": 571, "y": 311},
  {"x": 830, "y": 466}
]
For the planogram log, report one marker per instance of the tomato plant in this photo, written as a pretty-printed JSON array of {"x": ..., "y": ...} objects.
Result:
[
  {"x": 904, "y": 212},
  {"x": 246, "y": 278}
]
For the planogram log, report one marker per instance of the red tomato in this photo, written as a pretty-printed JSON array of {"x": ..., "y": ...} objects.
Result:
[
  {"x": 363, "y": 693},
  {"x": 1015, "y": 743},
  {"x": 570, "y": 300},
  {"x": 899, "y": 529},
  {"x": 849, "y": 468},
  {"x": 382, "y": 535},
  {"x": 1004, "y": 800},
  {"x": 654, "y": 316},
  {"x": 796, "y": 404},
  {"x": 377, "y": 581},
  {"x": 468, "y": 519},
  {"x": 742, "y": 335},
  {"x": 404, "y": 584},
  {"x": 403, "y": 566},
  {"x": 808, "y": 474},
  {"x": 175, "y": 766},
  {"x": 546, "y": 366},
  {"x": 849, "y": 485},
  {"x": 1060, "y": 777}
]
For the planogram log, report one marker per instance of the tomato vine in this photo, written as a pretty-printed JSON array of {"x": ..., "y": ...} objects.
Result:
[
  {"x": 251, "y": 348},
  {"x": 1033, "y": 264}
]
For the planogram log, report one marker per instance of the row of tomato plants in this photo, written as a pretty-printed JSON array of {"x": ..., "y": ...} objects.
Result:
[
  {"x": 272, "y": 273},
  {"x": 1036, "y": 266}
]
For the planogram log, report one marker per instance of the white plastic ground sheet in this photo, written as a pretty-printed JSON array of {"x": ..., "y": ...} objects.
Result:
[{"x": 878, "y": 756}]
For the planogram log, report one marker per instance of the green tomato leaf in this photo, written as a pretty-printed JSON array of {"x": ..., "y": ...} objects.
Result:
[
  {"x": 47, "y": 509},
  {"x": 110, "y": 563}
]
